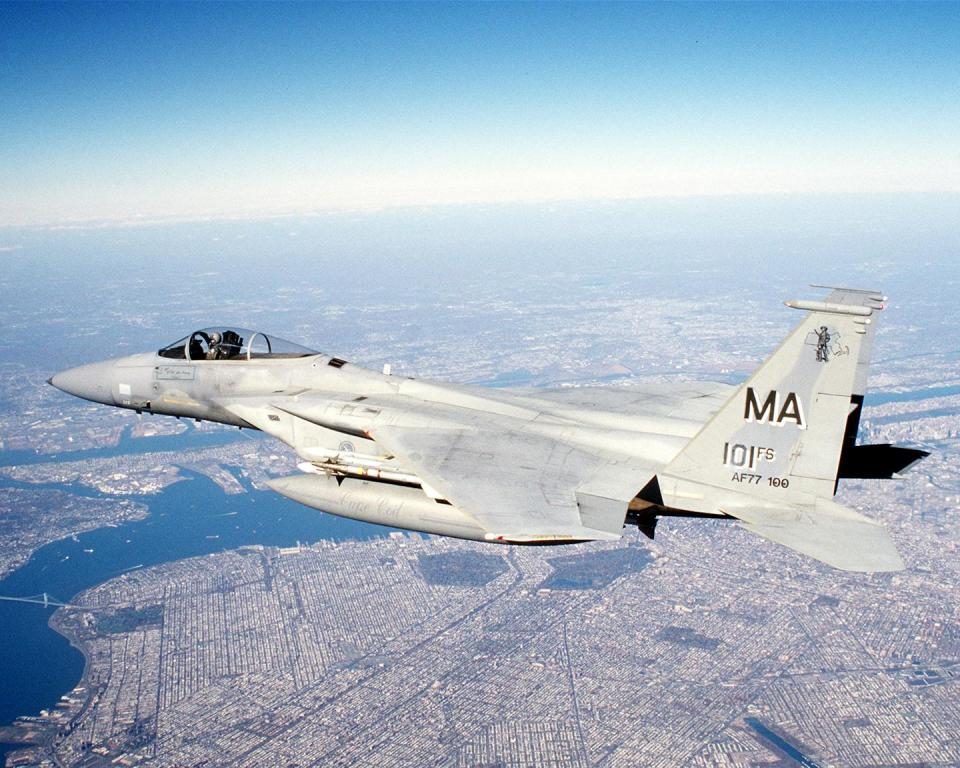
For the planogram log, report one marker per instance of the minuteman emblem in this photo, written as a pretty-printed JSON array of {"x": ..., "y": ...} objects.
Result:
[
  {"x": 823, "y": 339},
  {"x": 826, "y": 342}
]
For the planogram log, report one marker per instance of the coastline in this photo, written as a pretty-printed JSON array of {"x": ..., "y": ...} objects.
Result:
[
  {"x": 192, "y": 522},
  {"x": 16, "y": 561},
  {"x": 34, "y": 737}
]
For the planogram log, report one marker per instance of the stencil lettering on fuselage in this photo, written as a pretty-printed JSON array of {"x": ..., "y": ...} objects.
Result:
[{"x": 174, "y": 373}]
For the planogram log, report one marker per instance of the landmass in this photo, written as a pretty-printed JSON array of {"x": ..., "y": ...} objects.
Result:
[
  {"x": 37, "y": 507},
  {"x": 709, "y": 647},
  {"x": 709, "y": 644},
  {"x": 30, "y": 518}
]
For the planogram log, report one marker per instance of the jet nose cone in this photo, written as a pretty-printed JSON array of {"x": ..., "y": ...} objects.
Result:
[{"x": 91, "y": 382}]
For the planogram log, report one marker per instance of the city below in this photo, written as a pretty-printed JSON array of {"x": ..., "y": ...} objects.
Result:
[{"x": 220, "y": 624}]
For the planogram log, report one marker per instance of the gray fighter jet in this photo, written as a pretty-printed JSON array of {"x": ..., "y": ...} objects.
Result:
[{"x": 548, "y": 466}]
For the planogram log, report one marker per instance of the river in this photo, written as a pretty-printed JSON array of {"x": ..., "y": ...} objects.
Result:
[
  {"x": 192, "y": 438},
  {"x": 882, "y": 398}
]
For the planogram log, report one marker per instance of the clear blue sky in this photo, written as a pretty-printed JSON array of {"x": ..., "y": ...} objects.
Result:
[{"x": 119, "y": 111}]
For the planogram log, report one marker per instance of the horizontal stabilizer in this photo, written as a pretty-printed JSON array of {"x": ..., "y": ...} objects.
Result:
[
  {"x": 877, "y": 462},
  {"x": 826, "y": 531}
]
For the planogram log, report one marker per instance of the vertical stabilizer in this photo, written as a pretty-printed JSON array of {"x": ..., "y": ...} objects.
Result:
[{"x": 779, "y": 438}]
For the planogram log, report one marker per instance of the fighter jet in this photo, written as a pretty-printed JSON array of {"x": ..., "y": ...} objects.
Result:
[{"x": 548, "y": 466}]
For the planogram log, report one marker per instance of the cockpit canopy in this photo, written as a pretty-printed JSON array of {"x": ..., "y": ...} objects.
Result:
[{"x": 232, "y": 344}]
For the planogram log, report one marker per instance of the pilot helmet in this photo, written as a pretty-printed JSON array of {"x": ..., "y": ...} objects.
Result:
[{"x": 215, "y": 337}]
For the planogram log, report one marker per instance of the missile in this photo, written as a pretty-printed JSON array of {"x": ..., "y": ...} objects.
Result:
[{"x": 397, "y": 506}]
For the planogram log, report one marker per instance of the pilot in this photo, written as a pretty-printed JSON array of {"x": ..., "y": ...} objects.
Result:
[{"x": 215, "y": 351}]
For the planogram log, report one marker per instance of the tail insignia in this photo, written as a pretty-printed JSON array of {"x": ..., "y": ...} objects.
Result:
[{"x": 827, "y": 343}]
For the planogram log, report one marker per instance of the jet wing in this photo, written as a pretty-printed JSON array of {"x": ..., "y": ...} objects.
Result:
[
  {"x": 828, "y": 532},
  {"x": 521, "y": 488},
  {"x": 696, "y": 400}
]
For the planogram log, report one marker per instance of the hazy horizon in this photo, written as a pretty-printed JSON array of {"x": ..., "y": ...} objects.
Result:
[{"x": 127, "y": 111}]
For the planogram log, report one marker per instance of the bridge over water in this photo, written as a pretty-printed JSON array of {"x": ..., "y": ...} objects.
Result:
[{"x": 44, "y": 599}]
